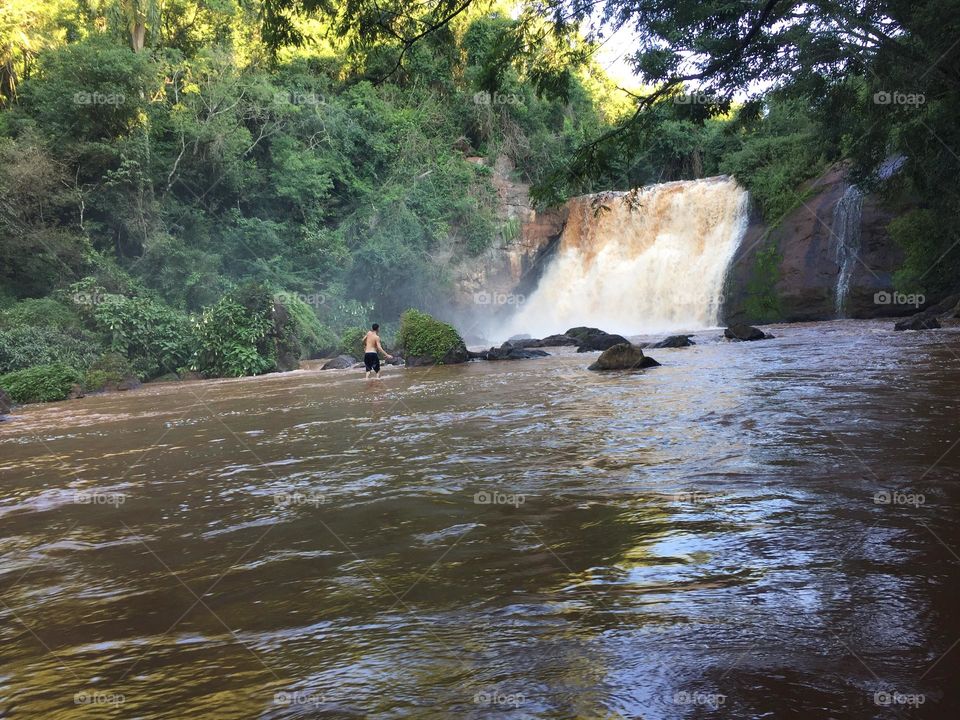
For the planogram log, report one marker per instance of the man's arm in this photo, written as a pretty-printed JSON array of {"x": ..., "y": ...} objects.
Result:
[{"x": 380, "y": 348}]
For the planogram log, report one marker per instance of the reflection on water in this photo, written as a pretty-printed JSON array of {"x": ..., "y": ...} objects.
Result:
[{"x": 752, "y": 530}]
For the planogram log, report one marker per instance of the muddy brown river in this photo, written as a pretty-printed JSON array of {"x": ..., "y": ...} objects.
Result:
[{"x": 752, "y": 530}]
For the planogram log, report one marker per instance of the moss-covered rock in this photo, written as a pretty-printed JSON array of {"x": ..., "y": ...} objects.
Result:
[
  {"x": 107, "y": 373},
  {"x": 42, "y": 383},
  {"x": 424, "y": 340},
  {"x": 351, "y": 341}
]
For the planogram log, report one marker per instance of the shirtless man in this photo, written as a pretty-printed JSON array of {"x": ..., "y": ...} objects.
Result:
[{"x": 371, "y": 350}]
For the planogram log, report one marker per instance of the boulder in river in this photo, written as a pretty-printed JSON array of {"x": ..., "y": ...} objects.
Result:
[
  {"x": 129, "y": 383},
  {"x": 453, "y": 356},
  {"x": 674, "y": 341},
  {"x": 623, "y": 357},
  {"x": 745, "y": 332},
  {"x": 6, "y": 403},
  {"x": 508, "y": 352},
  {"x": 920, "y": 321},
  {"x": 340, "y": 362},
  {"x": 557, "y": 341},
  {"x": 600, "y": 341}
]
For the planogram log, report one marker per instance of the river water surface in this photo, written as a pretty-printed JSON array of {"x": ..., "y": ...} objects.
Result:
[{"x": 752, "y": 530}]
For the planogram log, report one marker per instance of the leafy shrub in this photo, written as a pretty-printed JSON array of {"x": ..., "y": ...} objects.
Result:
[
  {"x": 24, "y": 347},
  {"x": 316, "y": 339},
  {"x": 42, "y": 312},
  {"x": 109, "y": 369},
  {"x": 41, "y": 383},
  {"x": 246, "y": 333},
  {"x": 351, "y": 341},
  {"x": 153, "y": 337},
  {"x": 422, "y": 335}
]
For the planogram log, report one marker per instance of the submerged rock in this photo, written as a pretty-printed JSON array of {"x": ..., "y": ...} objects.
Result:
[
  {"x": 340, "y": 362},
  {"x": 600, "y": 341},
  {"x": 745, "y": 332},
  {"x": 921, "y": 321},
  {"x": 623, "y": 357},
  {"x": 557, "y": 341},
  {"x": 508, "y": 352},
  {"x": 674, "y": 341}
]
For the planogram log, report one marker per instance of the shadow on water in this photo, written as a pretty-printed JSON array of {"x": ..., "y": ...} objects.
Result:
[{"x": 750, "y": 530}]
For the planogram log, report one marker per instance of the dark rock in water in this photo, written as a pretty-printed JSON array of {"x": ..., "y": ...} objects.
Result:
[
  {"x": 340, "y": 362},
  {"x": 6, "y": 403},
  {"x": 76, "y": 392},
  {"x": 395, "y": 360},
  {"x": 929, "y": 319},
  {"x": 557, "y": 341},
  {"x": 920, "y": 321},
  {"x": 455, "y": 355},
  {"x": 191, "y": 375},
  {"x": 507, "y": 352},
  {"x": 600, "y": 341},
  {"x": 623, "y": 357},
  {"x": 168, "y": 378},
  {"x": 744, "y": 332},
  {"x": 674, "y": 341},
  {"x": 129, "y": 383},
  {"x": 582, "y": 332},
  {"x": 523, "y": 343}
]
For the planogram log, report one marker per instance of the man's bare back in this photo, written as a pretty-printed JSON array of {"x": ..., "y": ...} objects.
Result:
[{"x": 371, "y": 351}]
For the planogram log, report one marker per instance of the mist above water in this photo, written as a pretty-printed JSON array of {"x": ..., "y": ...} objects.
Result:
[{"x": 647, "y": 261}]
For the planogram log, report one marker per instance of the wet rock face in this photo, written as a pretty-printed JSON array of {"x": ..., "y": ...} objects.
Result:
[
  {"x": 674, "y": 341},
  {"x": 623, "y": 356},
  {"x": 745, "y": 332},
  {"x": 341, "y": 362},
  {"x": 803, "y": 246}
]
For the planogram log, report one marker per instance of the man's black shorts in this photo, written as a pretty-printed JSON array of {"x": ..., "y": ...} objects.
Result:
[{"x": 371, "y": 361}]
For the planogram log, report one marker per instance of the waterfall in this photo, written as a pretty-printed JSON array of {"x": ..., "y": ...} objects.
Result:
[
  {"x": 846, "y": 231},
  {"x": 654, "y": 260}
]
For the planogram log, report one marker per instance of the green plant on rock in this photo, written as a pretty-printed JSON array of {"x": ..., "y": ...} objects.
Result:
[
  {"x": 109, "y": 369},
  {"x": 351, "y": 341},
  {"x": 762, "y": 303},
  {"x": 41, "y": 383},
  {"x": 423, "y": 335}
]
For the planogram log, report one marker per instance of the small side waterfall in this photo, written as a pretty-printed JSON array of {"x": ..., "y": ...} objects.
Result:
[
  {"x": 653, "y": 260},
  {"x": 846, "y": 232}
]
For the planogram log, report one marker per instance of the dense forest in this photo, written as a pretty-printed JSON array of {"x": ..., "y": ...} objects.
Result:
[{"x": 226, "y": 186}]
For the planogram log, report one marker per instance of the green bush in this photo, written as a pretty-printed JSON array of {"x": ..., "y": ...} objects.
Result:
[
  {"x": 422, "y": 335},
  {"x": 351, "y": 341},
  {"x": 41, "y": 383},
  {"x": 109, "y": 369},
  {"x": 316, "y": 339},
  {"x": 42, "y": 312},
  {"x": 247, "y": 333},
  {"x": 24, "y": 347},
  {"x": 155, "y": 338}
]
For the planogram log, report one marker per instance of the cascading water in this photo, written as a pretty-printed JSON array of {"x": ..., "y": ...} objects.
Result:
[
  {"x": 654, "y": 261},
  {"x": 846, "y": 231}
]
